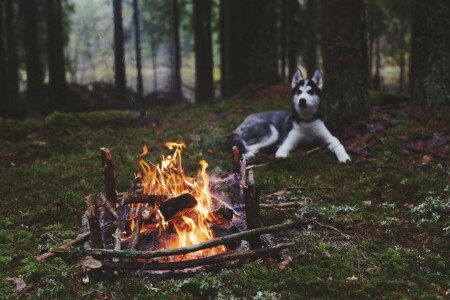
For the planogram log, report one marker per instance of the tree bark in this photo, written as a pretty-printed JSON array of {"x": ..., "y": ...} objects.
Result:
[
  {"x": 175, "y": 54},
  {"x": 119, "y": 53},
  {"x": 430, "y": 54},
  {"x": 55, "y": 52},
  {"x": 312, "y": 32},
  {"x": 12, "y": 57},
  {"x": 137, "y": 47},
  {"x": 345, "y": 56},
  {"x": 4, "y": 102},
  {"x": 204, "y": 86},
  {"x": 35, "y": 90}
]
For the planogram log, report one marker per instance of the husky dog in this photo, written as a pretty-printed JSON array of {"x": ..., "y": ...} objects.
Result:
[{"x": 289, "y": 129}]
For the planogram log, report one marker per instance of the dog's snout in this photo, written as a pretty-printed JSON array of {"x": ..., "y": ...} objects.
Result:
[{"x": 302, "y": 102}]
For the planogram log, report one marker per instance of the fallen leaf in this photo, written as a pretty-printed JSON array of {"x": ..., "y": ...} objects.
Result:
[
  {"x": 417, "y": 112},
  {"x": 18, "y": 281}
]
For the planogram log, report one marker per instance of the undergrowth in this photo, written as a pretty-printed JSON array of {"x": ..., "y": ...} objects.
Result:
[{"x": 385, "y": 216}]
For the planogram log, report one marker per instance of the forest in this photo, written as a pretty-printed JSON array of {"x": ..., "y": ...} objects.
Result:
[{"x": 80, "y": 78}]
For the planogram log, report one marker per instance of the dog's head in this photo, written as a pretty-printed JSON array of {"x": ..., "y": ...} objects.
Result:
[{"x": 306, "y": 94}]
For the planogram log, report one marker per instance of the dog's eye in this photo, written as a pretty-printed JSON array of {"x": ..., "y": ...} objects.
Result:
[{"x": 311, "y": 92}]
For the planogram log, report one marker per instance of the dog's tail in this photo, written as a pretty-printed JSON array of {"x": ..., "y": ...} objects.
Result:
[{"x": 235, "y": 140}]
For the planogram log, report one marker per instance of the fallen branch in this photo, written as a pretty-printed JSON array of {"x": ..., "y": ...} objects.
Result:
[
  {"x": 81, "y": 238},
  {"x": 108, "y": 172},
  {"x": 180, "y": 265},
  {"x": 107, "y": 253},
  {"x": 279, "y": 205}
]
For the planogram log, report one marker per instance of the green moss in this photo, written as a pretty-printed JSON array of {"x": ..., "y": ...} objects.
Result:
[{"x": 378, "y": 202}]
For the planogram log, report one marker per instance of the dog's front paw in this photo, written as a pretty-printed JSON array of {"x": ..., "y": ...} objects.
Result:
[
  {"x": 281, "y": 154},
  {"x": 344, "y": 158}
]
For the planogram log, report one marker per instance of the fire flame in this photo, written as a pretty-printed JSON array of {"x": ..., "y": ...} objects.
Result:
[{"x": 168, "y": 178}]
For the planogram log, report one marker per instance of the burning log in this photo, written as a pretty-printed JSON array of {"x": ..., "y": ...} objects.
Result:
[
  {"x": 141, "y": 198},
  {"x": 193, "y": 263},
  {"x": 94, "y": 223},
  {"x": 108, "y": 172},
  {"x": 106, "y": 253},
  {"x": 174, "y": 205}
]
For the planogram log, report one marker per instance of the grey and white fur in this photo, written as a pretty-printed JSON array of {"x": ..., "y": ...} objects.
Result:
[{"x": 289, "y": 129}]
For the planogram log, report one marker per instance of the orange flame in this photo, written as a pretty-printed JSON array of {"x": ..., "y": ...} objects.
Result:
[{"x": 168, "y": 178}]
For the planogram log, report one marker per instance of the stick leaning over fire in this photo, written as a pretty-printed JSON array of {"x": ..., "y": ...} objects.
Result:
[{"x": 107, "y": 253}]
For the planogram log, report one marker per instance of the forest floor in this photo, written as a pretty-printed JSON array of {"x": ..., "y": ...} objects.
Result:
[{"x": 387, "y": 212}]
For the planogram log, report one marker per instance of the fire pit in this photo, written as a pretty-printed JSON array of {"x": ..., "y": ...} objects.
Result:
[{"x": 169, "y": 221}]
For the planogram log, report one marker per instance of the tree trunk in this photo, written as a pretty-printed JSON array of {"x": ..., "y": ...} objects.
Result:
[
  {"x": 175, "y": 54},
  {"x": 376, "y": 82},
  {"x": 312, "y": 25},
  {"x": 345, "y": 57},
  {"x": 430, "y": 54},
  {"x": 293, "y": 36},
  {"x": 55, "y": 52},
  {"x": 248, "y": 36},
  {"x": 233, "y": 66},
  {"x": 12, "y": 65},
  {"x": 4, "y": 102},
  {"x": 137, "y": 47},
  {"x": 119, "y": 53},
  {"x": 35, "y": 91},
  {"x": 283, "y": 34},
  {"x": 204, "y": 86},
  {"x": 402, "y": 60}
]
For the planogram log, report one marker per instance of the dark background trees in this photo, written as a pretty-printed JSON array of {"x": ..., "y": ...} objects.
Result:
[{"x": 65, "y": 54}]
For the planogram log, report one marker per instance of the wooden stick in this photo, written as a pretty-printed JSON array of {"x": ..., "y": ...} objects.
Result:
[
  {"x": 81, "y": 238},
  {"x": 235, "y": 160},
  {"x": 136, "y": 232},
  {"x": 108, "y": 172},
  {"x": 279, "y": 205},
  {"x": 252, "y": 219},
  {"x": 188, "y": 249},
  {"x": 180, "y": 265},
  {"x": 94, "y": 223},
  {"x": 141, "y": 198},
  {"x": 108, "y": 206}
]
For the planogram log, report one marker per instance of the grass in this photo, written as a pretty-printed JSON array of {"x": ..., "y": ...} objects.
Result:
[{"x": 394, "y": 209}]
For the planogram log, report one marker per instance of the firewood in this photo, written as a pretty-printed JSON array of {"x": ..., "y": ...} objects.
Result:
[
  {"x": 108, "y": 172},
  {"x": 107, "y": 253},
  {"x": 136, "y": 232},
  {"x": 252, "y": 219},
  {"x": 171, "y": 207},
  {"x": 94, "y": 223},
  {"x": 141, "y": 198},
  {"x": 81, "y": 238},
  {"x": 235, "y": 160},
  {"x": 104, "y": 202},
  {"x": 193, "y": 263}
]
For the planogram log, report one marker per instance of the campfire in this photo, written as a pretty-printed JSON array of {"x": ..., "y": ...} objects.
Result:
[{"x": 169, "y": 221}]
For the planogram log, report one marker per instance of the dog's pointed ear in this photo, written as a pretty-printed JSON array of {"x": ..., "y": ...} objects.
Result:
[
  {"x": 317, "y": 79},
  {"x": 298, "y": 76}
]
